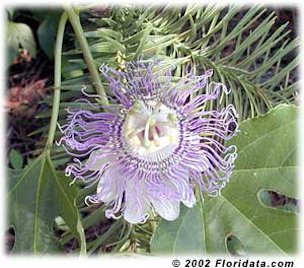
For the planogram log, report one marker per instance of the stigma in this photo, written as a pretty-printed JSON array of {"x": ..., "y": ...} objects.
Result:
[{"x": 151, "y": 127}]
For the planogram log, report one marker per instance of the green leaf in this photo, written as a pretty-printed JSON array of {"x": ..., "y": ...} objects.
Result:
[
  {"x": 244, "y": 47},
  {"x": 47, "y": 33},
  {"x": 20, "y": 34},
  {"x": 36, "y": 198},
  {"x": 15, "y": 159},
  {"x": 184, "y": 235},
  {"x": 266, "y": 161}
]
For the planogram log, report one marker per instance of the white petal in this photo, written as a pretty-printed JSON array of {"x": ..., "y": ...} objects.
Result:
[
  {"x": 137, "y": 205},
  {"x": 190, "y": 202},
  {"x": 167, "y": 209},
  {"x": 98, "y": 160},
  {"x": 110, "y": 186}
]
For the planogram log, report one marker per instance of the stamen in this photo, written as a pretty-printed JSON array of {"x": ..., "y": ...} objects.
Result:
[
  {"x": 147, "y": 142},
  {"x": 135, "y": 132},
  {"x": 155, "y": 136}
]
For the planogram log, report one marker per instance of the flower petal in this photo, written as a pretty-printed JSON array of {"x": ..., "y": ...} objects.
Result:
[
  {"x": 154, "y": 143},
  {"x": 137, "y": 205},
  {"x": 167, "y": 209},
  {"x": 191, "y": 201},
  {"x": 98, "y": 160},
  {"x": 110, "y": 186}
]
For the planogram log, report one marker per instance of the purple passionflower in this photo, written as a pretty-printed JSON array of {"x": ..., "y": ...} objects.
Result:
[{"x": 150, "y": 150}]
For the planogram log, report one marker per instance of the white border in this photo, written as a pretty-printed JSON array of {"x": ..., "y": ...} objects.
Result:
[{"x": 138, "y": 260}]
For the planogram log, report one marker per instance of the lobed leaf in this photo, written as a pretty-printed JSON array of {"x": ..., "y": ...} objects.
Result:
[
  {"x": 36, "y": 198},
  {"x": 239, "y": 212}
]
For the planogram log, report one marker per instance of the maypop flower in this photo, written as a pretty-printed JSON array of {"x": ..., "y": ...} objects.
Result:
[{"x": 155, "y": 145}]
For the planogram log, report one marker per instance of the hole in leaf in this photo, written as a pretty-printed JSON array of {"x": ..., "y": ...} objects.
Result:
[
  {"x": 278, "y": 201},
  {"x": 234, "y": 245},
  {"x": 10, "y": 239}
]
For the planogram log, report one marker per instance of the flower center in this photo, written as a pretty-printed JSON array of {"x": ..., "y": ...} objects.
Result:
[{"x": 151, "y": 127}]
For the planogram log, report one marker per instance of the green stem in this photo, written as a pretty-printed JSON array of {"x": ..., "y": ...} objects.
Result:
[
  {"x": 75, "y": 21},
  {"x": 57, "y": 81}
]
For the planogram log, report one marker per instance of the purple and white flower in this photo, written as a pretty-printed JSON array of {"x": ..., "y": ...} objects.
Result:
[{"x": 158, "y": 142}]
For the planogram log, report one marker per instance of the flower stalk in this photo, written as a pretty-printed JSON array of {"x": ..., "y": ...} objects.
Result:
[
  {"x": 57, "y": 81},
  {"x": 75, "y": 22}
]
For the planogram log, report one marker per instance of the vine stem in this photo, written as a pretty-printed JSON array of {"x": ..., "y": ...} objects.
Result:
[
  {"x": 57, "y": 81},
  {"x": 75, "y": 21}
]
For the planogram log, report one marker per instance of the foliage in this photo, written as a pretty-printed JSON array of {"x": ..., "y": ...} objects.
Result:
[
  {"x": 15, "y": 159},
  {"x": 46, "y": 32},
  {"x": 19, "y": 34},
  {"x": 36, "y": 197},
  {"x": 245, "y": 56},
  {"x": 240, "y": 211}
]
